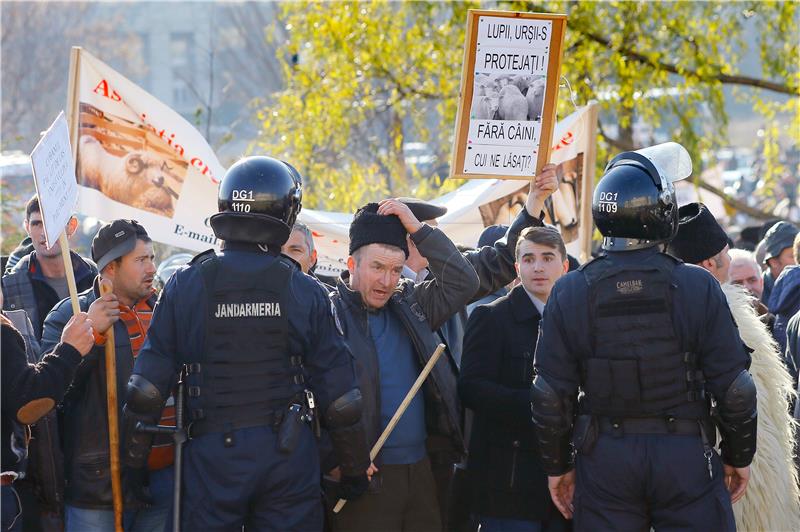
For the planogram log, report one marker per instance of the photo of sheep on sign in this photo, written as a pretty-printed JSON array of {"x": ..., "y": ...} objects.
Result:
[
  {"x": 508, "y": 97},
  {"x": 128, "y": 163},
  {"x": 508, "y": 94}
]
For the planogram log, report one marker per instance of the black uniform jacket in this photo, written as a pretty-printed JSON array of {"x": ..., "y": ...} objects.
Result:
[{"x": 496, "y": 373}]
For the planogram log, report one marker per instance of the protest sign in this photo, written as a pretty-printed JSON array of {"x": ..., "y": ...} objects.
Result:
[
  {"x": 54, "y": 177},
  {"x": 139, "y": 159},
  {"x": 509, "y": 88},
  {"x": 480, "y": 203}
]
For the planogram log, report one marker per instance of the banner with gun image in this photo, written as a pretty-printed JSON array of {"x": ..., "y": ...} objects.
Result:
[{"x": 137, "y": 158}]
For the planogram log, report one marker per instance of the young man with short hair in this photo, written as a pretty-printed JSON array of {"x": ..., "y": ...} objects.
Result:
[
  {"x": 39, "y": 281},
  {"x": 123, "y": 252},
  {"x": 34, "y": 285},
  {"x": 509, "y": 486}
]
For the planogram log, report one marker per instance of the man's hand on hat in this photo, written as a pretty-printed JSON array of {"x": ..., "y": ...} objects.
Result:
[
  {"x": 542, "y": 187},
  {"x": 103, "y": 312},
  {"x": 401, "y": 210}
]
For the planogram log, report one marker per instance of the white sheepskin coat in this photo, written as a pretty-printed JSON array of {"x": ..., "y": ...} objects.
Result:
[{"x": 772, "y": 500}]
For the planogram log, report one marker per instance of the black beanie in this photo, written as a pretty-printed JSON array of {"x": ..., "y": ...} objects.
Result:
[
  {"x": 699, "y": 236},
  {"x": 369, "y": 227}
]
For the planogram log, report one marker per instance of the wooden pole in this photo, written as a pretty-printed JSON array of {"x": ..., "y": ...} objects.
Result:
[
  {"x": 587, "y": 183},
  {"x": 113, "y": 419},
  {"x": 65, "y": 256},
  {"x": 399, "y": 412},
  {"x": 73, "y": 91}
]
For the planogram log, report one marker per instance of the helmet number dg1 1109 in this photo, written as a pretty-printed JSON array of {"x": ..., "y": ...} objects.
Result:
[{"x": 608, "y": 202}]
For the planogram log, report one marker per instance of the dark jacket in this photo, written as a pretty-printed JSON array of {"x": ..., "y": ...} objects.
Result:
[
  {"x": 23, "y": 248},
  {"x": 784, "y": 302},
  {"x": 25, "y": 287},
  {"x": 504, "y": 467},
  {"x": 86, "y": 455},
  {"x": 793, "y": 352},
  {"x": 494, "y": 265},
  {"x": 45, "y": 466},
  {"x": 24, "y": 383},
  {"x": 422, "y": 308}
]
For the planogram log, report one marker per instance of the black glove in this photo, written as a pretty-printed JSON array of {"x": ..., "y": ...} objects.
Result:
[
  {"x": 351, "y": 488},
  {"x": 134, "y": 486}
]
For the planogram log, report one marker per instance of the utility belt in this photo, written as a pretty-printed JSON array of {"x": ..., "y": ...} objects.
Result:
[
  {"x": 588, "y": 427},
  {"x": 287, "y": 422},
  {"x": 651, "y": 425}
]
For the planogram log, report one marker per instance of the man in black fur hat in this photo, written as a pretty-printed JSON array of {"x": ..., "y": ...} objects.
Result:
[
  {"x": 390, "y": 325},
  {"x": 701, "y": 241}
]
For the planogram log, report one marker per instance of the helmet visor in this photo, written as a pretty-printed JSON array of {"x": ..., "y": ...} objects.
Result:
[{"x": 671, "y": 159}]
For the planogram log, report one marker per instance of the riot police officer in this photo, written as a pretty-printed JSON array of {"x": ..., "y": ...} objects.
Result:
[
  {"x": 650, "y": 344},
  {"x": 264, "y": 361}
]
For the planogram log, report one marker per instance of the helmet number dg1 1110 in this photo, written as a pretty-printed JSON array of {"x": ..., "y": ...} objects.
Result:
[
  {"x": 608, "y": 202},
  {"x": 241, "y": 196}
]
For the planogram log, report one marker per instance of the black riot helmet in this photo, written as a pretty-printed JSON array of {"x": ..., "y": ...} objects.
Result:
[
  {"x": 634, "y": 204},
  {"x": 259, "y": 199}
]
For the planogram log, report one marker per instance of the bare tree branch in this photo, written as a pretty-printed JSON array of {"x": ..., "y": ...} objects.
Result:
[{"x": 729, "y": 79}]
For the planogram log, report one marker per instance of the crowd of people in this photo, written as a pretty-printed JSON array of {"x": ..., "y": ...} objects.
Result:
[{"x": 569, "y": 396}]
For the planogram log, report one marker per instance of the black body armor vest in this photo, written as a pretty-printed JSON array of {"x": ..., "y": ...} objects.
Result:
[
  {"x": 638, "y": 367},
  {"x": 246, "y": 375}
]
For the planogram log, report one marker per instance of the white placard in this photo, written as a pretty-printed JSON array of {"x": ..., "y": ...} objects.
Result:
[
  {"x": 510, "y": 77},
  {"x": 507, "y": 132},
  {"x": 54, "y": 175},
  {"x": 502, "y": 160}
]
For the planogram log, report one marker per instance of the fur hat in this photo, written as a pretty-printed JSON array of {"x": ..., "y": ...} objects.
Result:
[
  {"x": 369, "y": 227},
  {"x": 699, "y": 236}
]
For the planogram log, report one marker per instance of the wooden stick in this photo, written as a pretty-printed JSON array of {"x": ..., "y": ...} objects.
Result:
[
  {"x": 399, "y": 412},
  {"x": 587, "y": 183},
  {"x": 65, "y": 256},
  {"x": 113, "y": 422}
]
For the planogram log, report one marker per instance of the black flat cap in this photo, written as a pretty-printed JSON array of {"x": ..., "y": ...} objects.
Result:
[{"x": 423, "y": 210}]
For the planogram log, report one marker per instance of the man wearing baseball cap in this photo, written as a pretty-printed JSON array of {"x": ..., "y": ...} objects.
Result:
[
  {"x": 777, "y": 245},
  {"x": 124, "y": 255}
]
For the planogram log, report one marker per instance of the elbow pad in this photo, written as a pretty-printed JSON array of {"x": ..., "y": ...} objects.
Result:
[
  {"x": 738, "y": 420},
  {"x": 343, "y": 420},
  {"x": 143, "y": 404},
  {"x": 143, "y": 396},
  {"x": 552, "y": 417},
  {"x": 344, "y": 411}
]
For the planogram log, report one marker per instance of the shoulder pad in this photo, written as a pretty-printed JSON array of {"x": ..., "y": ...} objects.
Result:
[
  {"x": 204, "y": 256},
  {"x": 591, "y": 261},
  {"x": 675, "y": 259},
  {"x": 288, "y": 262}
]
